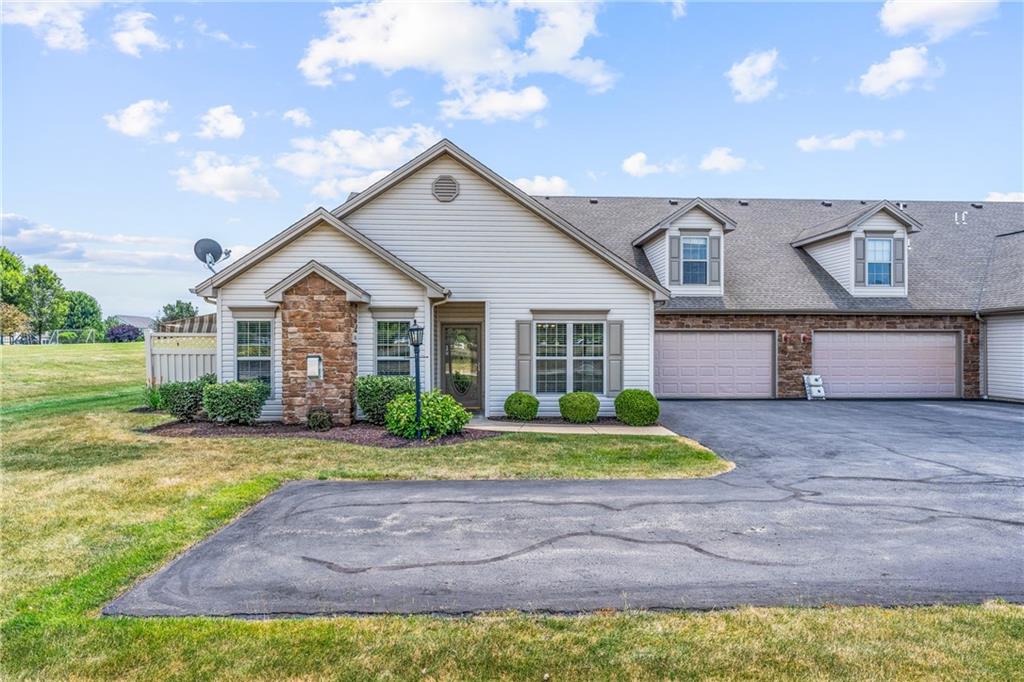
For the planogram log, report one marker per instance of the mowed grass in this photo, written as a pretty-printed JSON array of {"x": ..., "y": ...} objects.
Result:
[{"x": 90, "y": 504}]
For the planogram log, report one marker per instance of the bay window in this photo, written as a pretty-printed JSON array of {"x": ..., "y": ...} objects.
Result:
[{"x": 569, "y": 356}]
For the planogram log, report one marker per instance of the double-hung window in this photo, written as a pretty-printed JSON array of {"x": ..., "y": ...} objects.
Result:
[
  {"x": 253, "y": 350},
  {"x": 879, "y": 262},
  {"x": 695, "y": 260},
  {"x": 393, "y": 347},
  {"x": 570, "y": 357}
]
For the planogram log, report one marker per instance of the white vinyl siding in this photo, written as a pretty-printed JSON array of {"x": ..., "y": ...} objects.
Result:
[
  {"x": 697, "y": 223},
  {"x": 835, "y": 256},
  {"x": 883, "y": 225},
  {"x": 656, "y": 250},
  {"x": 387, "y": 287},
  {"x": 1004, "y": 357},
  {"x": 484, "y": 246}
]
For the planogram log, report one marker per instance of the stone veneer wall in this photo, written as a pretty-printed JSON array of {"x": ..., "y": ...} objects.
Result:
[
  {"x": 794, "y": 339},
  {"x": 317, "y": 319}
]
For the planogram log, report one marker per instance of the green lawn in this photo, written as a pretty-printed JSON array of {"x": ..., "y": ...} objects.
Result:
[{"x": 90, "y": 505}]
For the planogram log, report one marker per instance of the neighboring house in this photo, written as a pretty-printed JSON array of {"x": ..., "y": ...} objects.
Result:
[
  {"x": 138, "y": 321},
  {"x": 685, "y": 297}
]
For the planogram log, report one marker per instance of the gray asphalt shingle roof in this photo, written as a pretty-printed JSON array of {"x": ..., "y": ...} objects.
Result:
[
  {"x": 947, "y": 262},
  {"x": 1004, "y": 281}
]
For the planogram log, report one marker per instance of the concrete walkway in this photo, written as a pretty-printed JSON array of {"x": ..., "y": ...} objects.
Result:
[{"x": 485, "y": 424}]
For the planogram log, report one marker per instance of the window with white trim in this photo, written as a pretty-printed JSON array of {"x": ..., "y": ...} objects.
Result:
[
  {"x": 393, "y": 348},
  {"x": 569, "y": 356},
  {"x": 695, "y": 260},
  {"x": 879, "y": 261},
  {"x": 253, "y": 350}
]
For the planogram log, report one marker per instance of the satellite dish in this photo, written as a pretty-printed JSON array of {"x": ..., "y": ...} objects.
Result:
[{"x": 209, "y": 251}]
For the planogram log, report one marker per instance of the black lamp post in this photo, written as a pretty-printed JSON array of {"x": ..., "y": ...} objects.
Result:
[{"x": 416, "y": 340}]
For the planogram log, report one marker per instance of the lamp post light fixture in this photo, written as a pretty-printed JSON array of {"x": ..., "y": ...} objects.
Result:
[{"x": 416, "y": 340}]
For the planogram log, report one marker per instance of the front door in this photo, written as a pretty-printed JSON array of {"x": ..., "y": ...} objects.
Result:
[{"x": 462, "y": 376}]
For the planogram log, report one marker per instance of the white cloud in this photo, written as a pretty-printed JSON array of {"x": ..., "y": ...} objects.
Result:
[
  {"x": 399, "y": 99},
  {"x": 172, "y": 136},
  {"x": 140, "y": 119},
  {"x": 475, "y": 48},
  {"x": 349, "y": 160},
  {"x": 752, "y": 78},
  {"x": 721, "y": 160},
  {"x": 638, "y": 166},
  {"x": 678, "y": 8},
  {"x": 59, "y": 24},
  {"x": 848, "y": 142},
  {"x": 298, "y": 117},
  {"x": 904, "y": 69},
  {"x": 131, "y": 33},
  {"x": 1005, "y": 196},
  {"x": 491, "y": 105},
  {"x": 221, "y": 122},
  {"x": 939, "y": 20},
  {"x": 541, "y": 185},
  {"x": 216, "y": 175},
  {"x": 203, "y": 29}
]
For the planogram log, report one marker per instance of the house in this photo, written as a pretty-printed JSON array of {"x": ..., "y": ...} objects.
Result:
[
  {"x": 137, "y": 321},
  {"x": 688, "y": 298}
]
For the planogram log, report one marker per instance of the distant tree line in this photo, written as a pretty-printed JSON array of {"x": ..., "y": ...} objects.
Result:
[{"x": 34, "y": 301}]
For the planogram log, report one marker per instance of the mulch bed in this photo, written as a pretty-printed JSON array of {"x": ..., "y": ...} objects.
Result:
[
  {"x": 359, "y": 433},
  {"x": 558, "y": 420}
]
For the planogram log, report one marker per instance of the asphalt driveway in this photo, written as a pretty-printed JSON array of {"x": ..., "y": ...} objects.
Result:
[{"x": 835, "y": 502}]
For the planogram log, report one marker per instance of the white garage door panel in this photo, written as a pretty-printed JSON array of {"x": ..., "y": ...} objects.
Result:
[
  {"x": 887, "y": 364},
  {"x": 1004, "y": 343},
  {"x": 692, "y": 364}
]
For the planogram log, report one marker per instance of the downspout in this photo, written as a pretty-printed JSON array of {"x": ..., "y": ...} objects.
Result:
[{"x": 434, "y": 337}]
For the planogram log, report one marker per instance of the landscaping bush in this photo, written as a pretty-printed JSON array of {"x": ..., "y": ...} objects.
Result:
[
  {"x": 441, "y": 415},
  {"x": 579, "y": 407},
  {"x": 637, "y": 407},
  {"x": 521, "y": 406},
  {"x": 184, "y": 399},
  {"x": 235, "y": 402},
  {"x": 373, "y": 393},
  {"x": 123, "y": 332},
  {"x": 151, "y": 396},
  {"x": 319, "y": 419}
]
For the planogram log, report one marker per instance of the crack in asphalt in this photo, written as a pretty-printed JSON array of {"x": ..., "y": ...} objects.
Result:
[{"x": 350, "y": 570}]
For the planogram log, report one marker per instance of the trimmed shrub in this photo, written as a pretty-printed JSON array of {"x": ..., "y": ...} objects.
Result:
[
  {"x": 373, "y": 393},
  {"x": 120, "y": 333},
  {"x": 151, "y": 396},
  {"x": 319, "y": 419},
  {"x": 441, "y": 415},
  {"x": 579, "y": 407},
  {"x": 184, "y": 399},
  {"x": 521, "y": 406},
  {"x": 235, "y": 402},
  {"x": 637, "y": 407}
]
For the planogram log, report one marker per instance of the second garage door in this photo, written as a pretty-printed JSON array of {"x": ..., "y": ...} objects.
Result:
[
  {"x": 692, "y": 364},
  {"x": 887, "y": 364}
]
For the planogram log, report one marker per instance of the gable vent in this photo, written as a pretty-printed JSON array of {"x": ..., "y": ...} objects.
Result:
[{"x": 445, "y": 188}]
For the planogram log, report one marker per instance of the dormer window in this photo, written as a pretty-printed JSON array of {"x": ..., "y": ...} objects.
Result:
[
  {"x": 695, "y": 260},
  {"x": 879, "y": 261}
]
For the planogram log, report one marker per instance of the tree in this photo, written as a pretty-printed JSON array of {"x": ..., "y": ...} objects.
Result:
[
  {"x": 43, "y": 300},
  {"x": 12, "y": 276},
  {"x": 109, "y": 322},
  {"x": 12, "y": 320},
  {"x": 178, "y": 310},
  {"x": 83, "y": 312}
]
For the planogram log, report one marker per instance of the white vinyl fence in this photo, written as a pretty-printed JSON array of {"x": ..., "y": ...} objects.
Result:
[{"x": 175, "y": 356}]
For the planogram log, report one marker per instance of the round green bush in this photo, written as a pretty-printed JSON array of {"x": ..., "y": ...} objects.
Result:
[
  {"x": 637, "y": 407},
  {"x": 373, "y": 393},
  {"x": 235, "y": 402},
  {"x": 184, "y": 399},
  {"x": 441, "y": 415},
  {"x": 319, "y": 419},
  {"x": 579, "y": 407},
  {"x": 521, "y": 406}
]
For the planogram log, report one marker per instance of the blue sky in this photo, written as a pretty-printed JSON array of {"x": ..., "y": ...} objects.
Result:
[{"x": 131, "y": 130}]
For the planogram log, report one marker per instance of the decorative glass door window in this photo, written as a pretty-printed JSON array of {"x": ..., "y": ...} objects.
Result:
[
  {"x": 555, "y": 356},
  {"x": 393, "y": 348},
  {"x": 879, "y": 262},
  {"x": 253, "y": 350},
  {"x": 695, "y": 260}
]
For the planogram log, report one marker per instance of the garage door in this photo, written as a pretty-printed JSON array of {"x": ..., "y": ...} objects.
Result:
[
  {"x": 1004, "y": 344},
  {"x": 713, "y": 364},
  {"x": 887, "y": 364}
]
